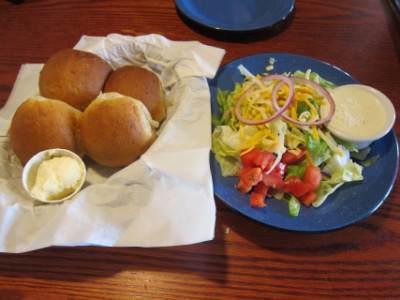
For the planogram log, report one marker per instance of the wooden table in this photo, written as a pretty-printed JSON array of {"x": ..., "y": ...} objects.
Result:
[{"x": 252, "y": 261}]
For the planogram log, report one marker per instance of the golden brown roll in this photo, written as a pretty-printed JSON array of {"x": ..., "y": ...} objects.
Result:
[
  {"x": 40, "y": 124},
  {"x": 73, "y": 76},
  {"x": 141, "y": 84},
  {"x": 116, "y": 130}
]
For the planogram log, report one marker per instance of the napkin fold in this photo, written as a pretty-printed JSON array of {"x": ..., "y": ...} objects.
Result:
[{"x": 163, "y": 199}]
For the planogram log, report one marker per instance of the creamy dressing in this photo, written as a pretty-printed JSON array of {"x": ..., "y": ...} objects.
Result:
[{"x": 359, "y": 113}]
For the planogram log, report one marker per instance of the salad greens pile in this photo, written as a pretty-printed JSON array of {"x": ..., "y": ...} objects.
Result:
[{"x": 231, "y": 139}]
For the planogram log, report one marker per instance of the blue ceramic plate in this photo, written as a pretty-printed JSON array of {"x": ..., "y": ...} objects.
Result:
[
  {"x": 351, "y": 203},
  {"x": 235, "y": 15}
]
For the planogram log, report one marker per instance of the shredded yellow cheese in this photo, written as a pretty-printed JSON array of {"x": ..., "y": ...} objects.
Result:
[
  {"x": 269, "y": 68},
  {"x": 233, "y": 119},
  {"x": 315, "y": 133},
  {"x": 261, "y": 136},
  {"x": 309, "y": 159},
  {"x": 312, "y": 108},
  {"x": 247, "y": 150},
  {"x": 293, "y": 110},
  {"x": 241, "y": 132}
]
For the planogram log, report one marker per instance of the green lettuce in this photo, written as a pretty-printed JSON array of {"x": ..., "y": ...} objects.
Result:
[
  {"x": 278, "y": 128},
  {"x": 223, "y": 146},
  {"x": 297, "y": 170},
  {"x": 351, "y": 171},
  {"x": 315, "y": 77},
  {"x": 319, "y": 150},
  {"x": 295, "y": 137},
  {"x": 303, "y": 107},
  {"x": 226, "y": 100},
  {"x": 294, "y": 206}
]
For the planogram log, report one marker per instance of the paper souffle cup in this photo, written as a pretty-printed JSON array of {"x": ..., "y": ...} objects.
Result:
[{"x": 32, "y": 166}]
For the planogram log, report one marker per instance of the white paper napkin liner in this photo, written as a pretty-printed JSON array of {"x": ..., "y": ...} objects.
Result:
[{"x": 172, "y": 60}]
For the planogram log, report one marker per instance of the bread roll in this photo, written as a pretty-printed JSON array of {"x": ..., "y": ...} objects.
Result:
[
  {"x": 40, "y": 124},
  {"x": 116, "y": 129},
  {"x": 73, "y": 76},
  {"x": 141, "y": 84}
]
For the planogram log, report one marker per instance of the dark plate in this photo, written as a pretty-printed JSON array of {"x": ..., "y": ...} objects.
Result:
[
  {"x": 351, "y": 203},
  {"x": 235, "y": 15}
]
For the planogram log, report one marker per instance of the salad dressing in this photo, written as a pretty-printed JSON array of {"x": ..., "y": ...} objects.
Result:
[{"x": 358, "y": 112}]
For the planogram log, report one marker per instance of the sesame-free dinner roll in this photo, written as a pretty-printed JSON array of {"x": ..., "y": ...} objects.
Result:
[
  {"x": 74, "y": 76},
  {"x": 41, "y": 124},
  {"x": 116, "y": 130},
  {"x": 140, "y": 84}
]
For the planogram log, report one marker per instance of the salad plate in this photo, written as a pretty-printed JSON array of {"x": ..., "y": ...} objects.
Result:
[
  {"x": 349, "y": 204},
  {"x": 234, "y": 15}
]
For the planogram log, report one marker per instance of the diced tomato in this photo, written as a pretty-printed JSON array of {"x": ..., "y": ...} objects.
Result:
[
  {"x": 250, "y": 176},
  {"x": 281, "y": 169},
  {"x": 312, "y": 177},
  {"x": 308, "y": 198},
  {"x": 257, "y": 158},
  {"x": 290, "y": 158},
  {"x": 248, "y": 158},
  {"x": 273, "y": 180},
  {"x": 258, "y": 195},
  {"x": 253, "y": 177},
  {"x": 243, "y": 188},
  {"x": 264, "y": 160},
  {"x": 296, "y": 186}
]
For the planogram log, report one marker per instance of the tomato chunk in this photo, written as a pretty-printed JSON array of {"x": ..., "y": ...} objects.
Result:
[
  {"x": 296, "y": 186},
  {"x": 290, "y": 158},
  {"x": 308, "y": 198},
  {"x": 248, "y": 158},
  {"x": 281, "y": 169},
  {"x": 312, "y": 177},
  {"x": 250, "y": 176},
  {"x": 258, "y": 195},
  {"x": 273, "y": 180},
  {"x": 243, "y": 188},
  {"x": 257, "y": 158},
  {"x": 264, "y": 160}
]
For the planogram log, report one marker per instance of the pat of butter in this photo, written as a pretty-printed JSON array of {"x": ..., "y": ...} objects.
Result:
[{"x": 57, "y": 178}]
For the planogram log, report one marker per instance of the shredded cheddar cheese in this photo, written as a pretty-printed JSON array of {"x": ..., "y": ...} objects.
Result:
[
  {"x": 309, "y": 159},
  {"x": 315, "y": 133}
]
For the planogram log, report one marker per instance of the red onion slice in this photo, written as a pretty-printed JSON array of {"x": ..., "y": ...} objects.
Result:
[
  {"x": 319, "y": 88},
  {"x": 326, "y": 174},
  {"x": 279, "y": 110}
]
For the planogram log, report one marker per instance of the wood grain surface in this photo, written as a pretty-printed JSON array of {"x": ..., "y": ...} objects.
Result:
[{"x": 251, "y": 261}]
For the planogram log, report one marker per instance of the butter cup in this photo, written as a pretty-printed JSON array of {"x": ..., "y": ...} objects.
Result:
[{"x": 32, "y": 166}]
